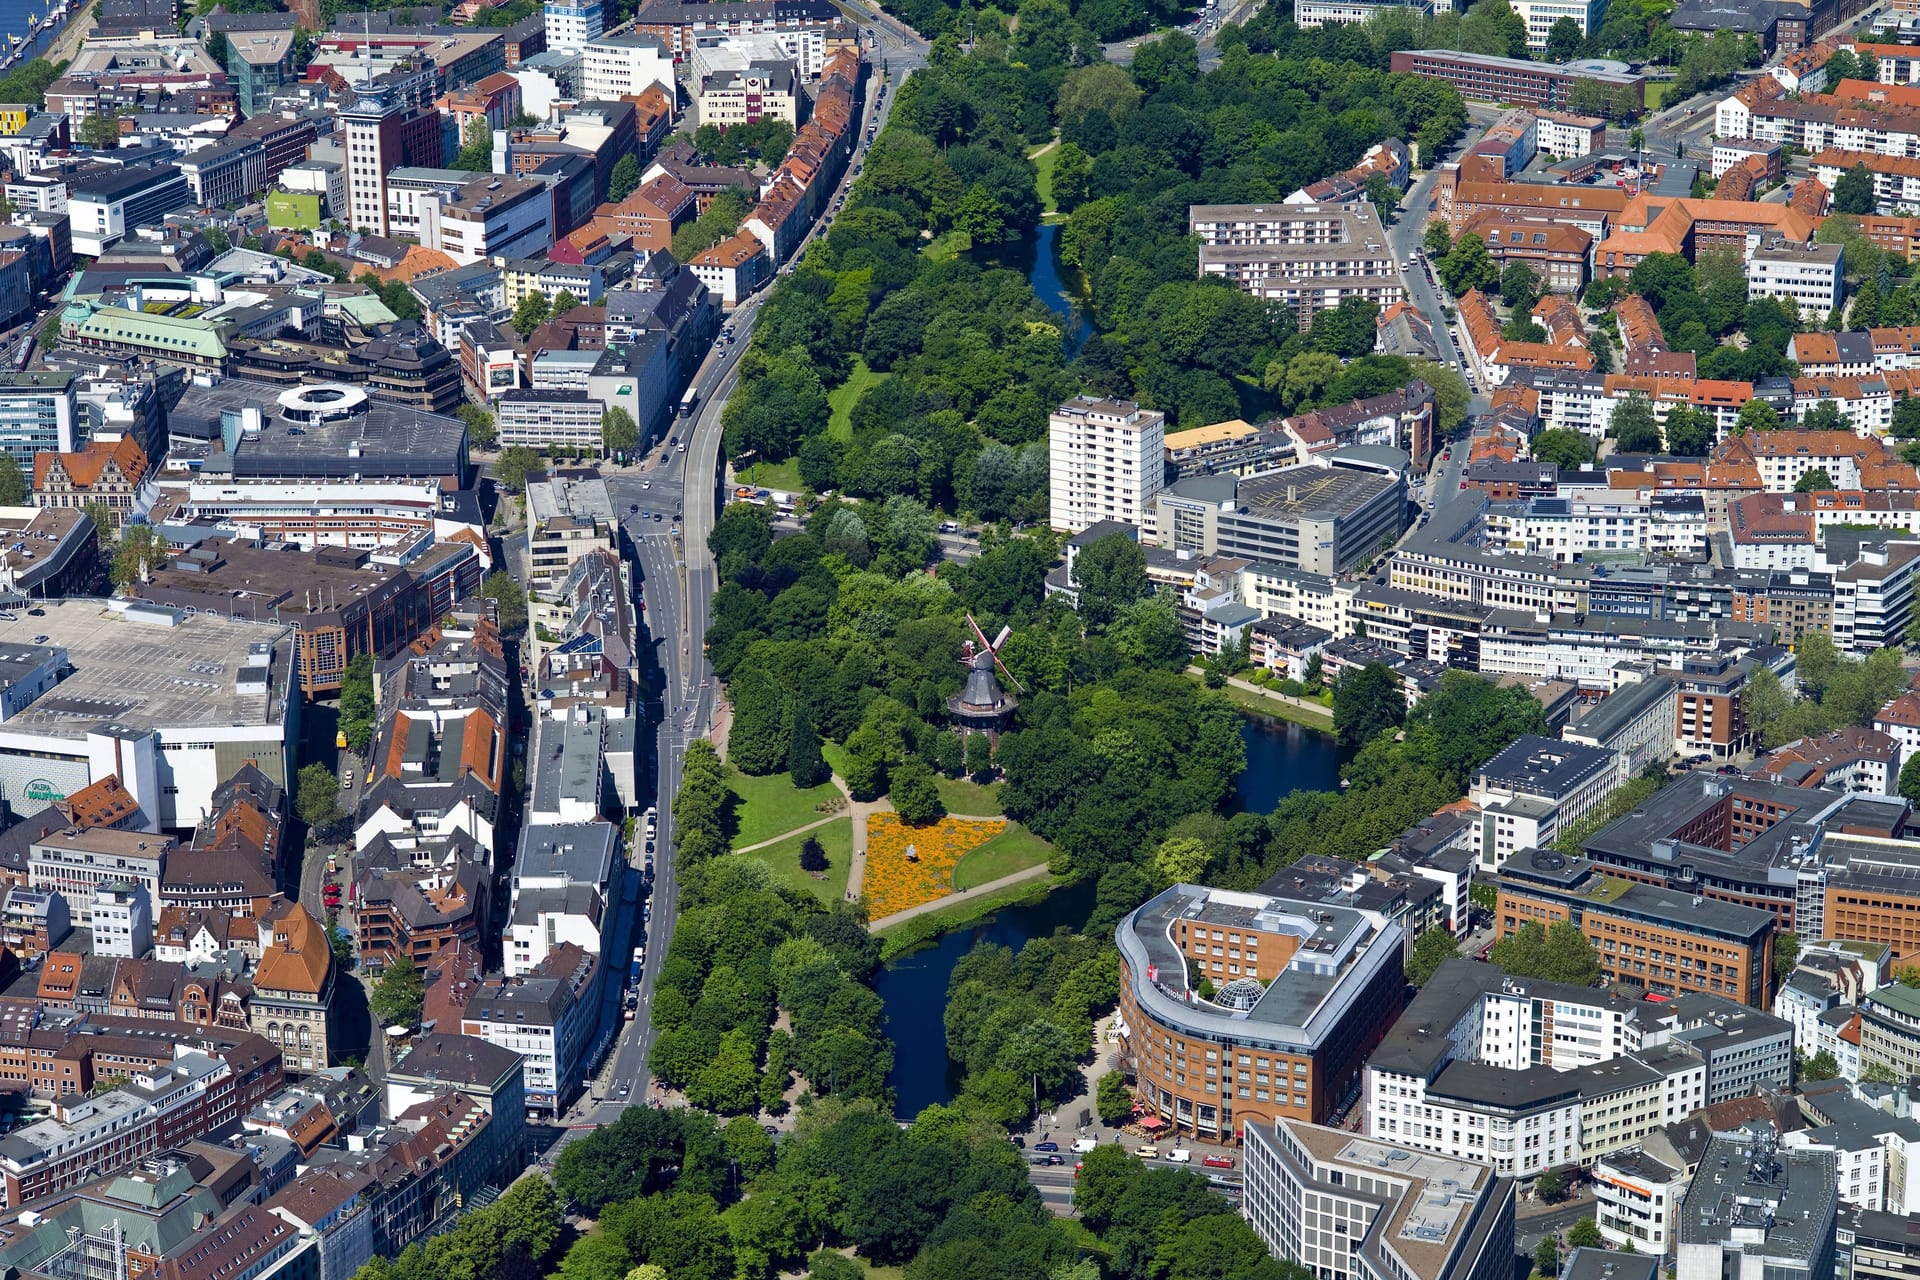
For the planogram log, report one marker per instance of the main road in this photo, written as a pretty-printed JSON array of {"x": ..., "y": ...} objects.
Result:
[{"x": 679, "y": 481}]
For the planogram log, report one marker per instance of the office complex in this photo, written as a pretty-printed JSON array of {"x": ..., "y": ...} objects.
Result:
[
  {"x": 1665, "y": 941},
  {"x": 1353, "y": 1208},
  {"x": 1324, "y": 517},
  {"x": 1301, "y": 992}
]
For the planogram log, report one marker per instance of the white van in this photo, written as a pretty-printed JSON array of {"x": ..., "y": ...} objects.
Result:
[
  {"x": 1083, "y": 1146},
  {"x": 1180, "y": 1155}
]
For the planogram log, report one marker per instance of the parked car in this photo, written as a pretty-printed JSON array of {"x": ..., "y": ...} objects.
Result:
[
  {"x": 1180, "y": 1155},
  {"x": 1046, "y": 1146},
  {"x": 1083, "y": 1146}
]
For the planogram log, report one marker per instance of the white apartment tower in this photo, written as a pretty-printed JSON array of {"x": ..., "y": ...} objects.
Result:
[
  {"x": 1106, "y": 461},
  {"x": 571, "y": 23}
]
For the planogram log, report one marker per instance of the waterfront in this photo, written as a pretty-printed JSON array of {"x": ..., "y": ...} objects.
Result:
[{"x": 1281, "y": 758}]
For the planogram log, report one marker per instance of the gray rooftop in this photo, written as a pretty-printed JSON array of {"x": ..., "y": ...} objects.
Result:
[
  {"x": 575, "y": 852},
  {"x": 568, "y": 767},
  {"x": 1784, "y": 1197},
  {"x": 144, "y": 667},
  {"x": 1605, "y": 1264},
  {"x": 1621, "y": 708},
  {"x": 1546, "y": 767},
  {"x": 1340, "y": 952}
]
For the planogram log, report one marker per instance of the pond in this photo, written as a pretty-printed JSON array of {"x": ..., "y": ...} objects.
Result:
[
  {"x": 1056, "y": 286},
  {"x": 1281, "y": 758}
]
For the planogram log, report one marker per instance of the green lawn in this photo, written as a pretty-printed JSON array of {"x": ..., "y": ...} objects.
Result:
[
  {"x": 836, "y": 757},
  {"x": 771, "y": 805},
  {"x": 843, "y": 397},
  {"x": 950, "y": 244},
  {"x": 1657, "y": 93},
  {"x": 1014, "y": 849},
  {"x": 962, "y": 796},
  {"x": 773, "y": 475},
  {"x": 783, "y": 860},
  {"x": 1043, "y": 160}
]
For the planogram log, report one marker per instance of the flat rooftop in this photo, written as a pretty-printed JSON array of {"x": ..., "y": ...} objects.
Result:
[
  {"x": 137, "y": 675},
  {"x": 1427, "y": 1202},
  {"x": 1546, "y": 766},
  {"x": 1787, "y": 1197},
  {"x": 380, "y": 439},
  {"x": 1308, "y": 493},
  {"x": 1340, "y": 949}
]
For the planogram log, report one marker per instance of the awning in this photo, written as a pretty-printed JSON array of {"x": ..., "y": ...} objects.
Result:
[{"x": 1151, "y": 1123}]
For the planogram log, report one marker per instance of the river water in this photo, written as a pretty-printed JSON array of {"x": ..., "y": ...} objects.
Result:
[
  {"x": 1038, "y": 260},
  {"x": 1281, "y": 758}
]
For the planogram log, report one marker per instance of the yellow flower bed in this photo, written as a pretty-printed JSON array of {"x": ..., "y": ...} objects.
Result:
[{"x": 894, "y": 883}]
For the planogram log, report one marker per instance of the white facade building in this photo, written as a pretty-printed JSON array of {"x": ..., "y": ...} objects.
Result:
[
  {"x": 1808, "y": 275},
  {"x": 572, "y": 23},
  {"x": 1105, "y": 462},
  {"x": 623, "y": 66}
]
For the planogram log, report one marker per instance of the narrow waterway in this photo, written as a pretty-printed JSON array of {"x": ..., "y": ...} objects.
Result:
[
  {"x": 1281, "y": 758},
  {"x": 1053, "y": 284}
]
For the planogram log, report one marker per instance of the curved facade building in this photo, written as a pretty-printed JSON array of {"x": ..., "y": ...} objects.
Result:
[{"x": 1300, "y": 994}]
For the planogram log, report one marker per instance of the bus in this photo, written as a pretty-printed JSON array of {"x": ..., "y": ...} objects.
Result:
[{"x": 688, "y": 401}]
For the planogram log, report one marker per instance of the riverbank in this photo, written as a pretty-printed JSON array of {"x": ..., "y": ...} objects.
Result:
[
  {"x": 1266, "y": 702},
  {"x": 71, "y": 36},
  {"x": 918, "y": 928}
]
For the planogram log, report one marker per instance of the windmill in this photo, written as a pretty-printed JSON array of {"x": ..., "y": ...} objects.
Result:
[{"x": 982, "y": 705}]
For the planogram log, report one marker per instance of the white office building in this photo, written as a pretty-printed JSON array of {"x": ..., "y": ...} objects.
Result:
[
  {"x": 1808, "y": 275},
  {"x": 623, "y": 66},
  {"x": 1353, "y": 1208},
  {"x": 1105, "y": 462}
]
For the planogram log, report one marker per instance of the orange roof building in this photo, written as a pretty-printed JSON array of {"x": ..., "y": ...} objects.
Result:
[
  {"x": 293, "y": 987},
  {"x": 109, "y": 472}
]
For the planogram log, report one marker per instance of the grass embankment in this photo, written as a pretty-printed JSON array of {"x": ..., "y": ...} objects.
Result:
[
  {"x": 841, "y": 399},
  {"x": 783, "y": 860},
  {"x": 1260, "y": 704},
  {"x": 1013, "y": 850},
  {"x": 912, "y": 933},
  {"x": 961, "y": 795},
  {"x": 772, "y": 805}
]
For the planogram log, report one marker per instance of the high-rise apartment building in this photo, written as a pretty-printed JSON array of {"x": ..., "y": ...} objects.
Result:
[
  {"x": 1105, "y": 462},
  {"x": 571, "y": 23}
]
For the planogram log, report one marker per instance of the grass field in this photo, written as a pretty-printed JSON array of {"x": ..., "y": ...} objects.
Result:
[
  {"x": 783, "y": 860},
  {"x": 773, "y": 475},
  {"x": 1043, "y": 159},
  {"x": 1015, "y": 850},
  {"x": 962, "y": 796},
  {"x": 1657, "y": 91},
  {"x": 836, "y": 757},
  {"x": 950, "y": 244},
  {"x": 843, "y": 397},
  {"x": 771, "y": 805}
]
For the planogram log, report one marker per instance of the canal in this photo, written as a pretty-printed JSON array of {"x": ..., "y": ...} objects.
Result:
[{"x": 1281, "y": 758}]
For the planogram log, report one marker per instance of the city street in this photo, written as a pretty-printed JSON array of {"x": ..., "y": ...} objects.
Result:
[{"x": 676, "y": 577}]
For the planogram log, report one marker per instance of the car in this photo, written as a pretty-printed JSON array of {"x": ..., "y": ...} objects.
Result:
[
  {"x": 771, "y": 1131},
  {"x": 646, "y": 484},
  {"x": 633, "y": 507},
  {"x": 1046, "y": 1146},
  {"x": 1017, "y": 1141},
  {"x": 1051, "y": 1160},
  {"x": 673, "y": 439},
  {"x": 1147, "y": 1152},
  {"x": 656, "y": 515},
  {"x": 625, "y": 1090},
  {"x": 347, "y": 781},
  {"x": 1217, "y": 1162}
]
